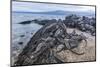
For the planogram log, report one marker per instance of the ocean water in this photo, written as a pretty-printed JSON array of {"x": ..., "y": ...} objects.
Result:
[{"x": 20, "y": 29}]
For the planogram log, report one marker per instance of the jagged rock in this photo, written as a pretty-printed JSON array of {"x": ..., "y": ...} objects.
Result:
[
  {"x": 82, "y": 23},
  {"x": 43, "y": 22},
  {"x": 72, "y": 20},
  {"x": 40, "y": 48}
]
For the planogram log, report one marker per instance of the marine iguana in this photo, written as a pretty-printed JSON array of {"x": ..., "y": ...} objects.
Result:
[{"x": 39, "y": 50}]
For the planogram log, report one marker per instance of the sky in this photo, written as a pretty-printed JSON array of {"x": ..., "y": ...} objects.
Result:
[{"x": 43, "y": 7}]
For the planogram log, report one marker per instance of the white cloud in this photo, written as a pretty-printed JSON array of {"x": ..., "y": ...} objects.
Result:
[{"x": 36, "y": 7}]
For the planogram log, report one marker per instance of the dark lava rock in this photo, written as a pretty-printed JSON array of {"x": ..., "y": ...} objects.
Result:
[
  {"x": 22, "y": 35},
  {"x": 40, "y": 48},
  {"x": 26, "y": 22},
  {"x": 20, "y": 43},
  {"x": 43, "y": 22},
  {"x": 82, "y": 23}
]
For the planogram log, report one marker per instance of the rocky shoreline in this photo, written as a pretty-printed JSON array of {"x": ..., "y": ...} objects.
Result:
[{"x": 84, "y": 25}]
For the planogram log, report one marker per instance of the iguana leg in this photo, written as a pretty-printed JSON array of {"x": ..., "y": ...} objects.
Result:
[{"x": 80, "y": 50}]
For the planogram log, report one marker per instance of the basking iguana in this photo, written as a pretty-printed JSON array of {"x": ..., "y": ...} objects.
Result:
[{"x": 39, "y": 50}]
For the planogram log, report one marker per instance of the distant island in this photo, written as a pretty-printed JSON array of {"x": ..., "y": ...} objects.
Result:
[{"x": 60, "y": 12}]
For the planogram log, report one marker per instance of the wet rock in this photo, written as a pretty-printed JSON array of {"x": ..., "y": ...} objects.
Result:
[
  {"x": 25, "y": 22},
  {"x": 22, "y": 35}
]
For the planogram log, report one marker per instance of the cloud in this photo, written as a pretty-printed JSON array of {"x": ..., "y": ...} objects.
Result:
[{"x": 38, "y": 7}]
